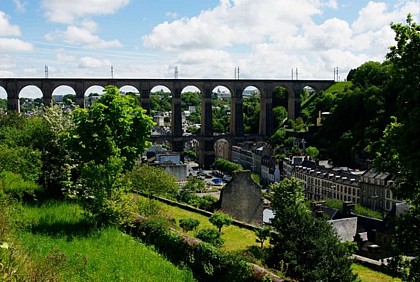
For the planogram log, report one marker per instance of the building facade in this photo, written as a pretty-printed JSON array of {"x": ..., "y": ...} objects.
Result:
[{"x": 368, "y": 188}]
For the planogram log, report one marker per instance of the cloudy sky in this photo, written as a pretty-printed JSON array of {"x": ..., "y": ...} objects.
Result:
[{"x": 203, "y": 38}]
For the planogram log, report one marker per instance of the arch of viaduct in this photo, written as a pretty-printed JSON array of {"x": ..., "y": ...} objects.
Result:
[{"x": 13, "y": 86}]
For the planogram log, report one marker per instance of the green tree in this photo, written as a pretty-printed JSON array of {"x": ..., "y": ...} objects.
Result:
[
  {"x": 107, "y": 139},
  {"x": 279, "y": 115},
  {"x": 278, "y": 138},
  {"x": 153, "y": 181},
  {"x": 312, "y": 151},
  {"x": 308, "y": 245},
  {"x": 398, "y": 151},
  {"x": 210, "y": 236},
  {"x": 280, "y": 97},
  {"x": 113, "y": 126},
  {"x": 371, "y": 74},
  {"x": 226, "y": 166},
  {"x": 188, "y": 224},
  {"x": 263, "y": 234},
  {"x": 69, "y": 99},
  {"x": 220, "y": 219}
]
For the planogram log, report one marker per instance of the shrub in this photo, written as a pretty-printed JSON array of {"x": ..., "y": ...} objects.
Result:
[
  {"x": 220, "y": 219},
  {"x": 210, "y": 236},
  {"x": 188, "y": 224}
]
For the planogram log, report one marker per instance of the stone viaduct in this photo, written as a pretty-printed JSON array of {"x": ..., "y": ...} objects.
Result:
[{"x": 206, "y": 138}]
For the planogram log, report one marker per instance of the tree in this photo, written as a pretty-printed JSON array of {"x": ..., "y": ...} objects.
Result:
[
  {"x": 279, "y": 115},
  {"x": 262, "y": 234},
  {"x": 278, "y": 138},
  {"x": 153, "y": 181},
  {"x": 308, "y": 245},
  {"x": 210, "y": 236},
  {"x": 312, "y": 151},
  {"x": 226, "y": 166},
  {"x": 220, "y": 219},
  {"x": 107, "y": 139},
  {"x": 188, "y": 224},
  {"x": 114, "y": 126},
  {"x": 398, "y": 152}
]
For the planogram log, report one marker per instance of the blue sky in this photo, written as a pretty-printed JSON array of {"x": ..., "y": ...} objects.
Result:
[{"x": 204, "y": 38}]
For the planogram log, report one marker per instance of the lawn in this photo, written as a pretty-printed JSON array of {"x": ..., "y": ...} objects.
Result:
[
  {"x": 236, "y": 239},
  {"x": 368, "y": 275},
  {"x": 57, "y": 231}
]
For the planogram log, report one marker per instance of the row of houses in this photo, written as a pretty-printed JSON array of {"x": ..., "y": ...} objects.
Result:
[{"x": 369, "y": 188}]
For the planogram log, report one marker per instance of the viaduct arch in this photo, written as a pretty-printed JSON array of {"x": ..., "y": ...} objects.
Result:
[{"x": 13, "y": 86}]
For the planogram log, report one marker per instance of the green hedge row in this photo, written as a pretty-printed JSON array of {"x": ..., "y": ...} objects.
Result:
[{"x": 206, "y": 261}]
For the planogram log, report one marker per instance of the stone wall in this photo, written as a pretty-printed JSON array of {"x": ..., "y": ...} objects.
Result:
[
  {"x": 346, "y": 228},
  {"x": 242, "y": 199}
]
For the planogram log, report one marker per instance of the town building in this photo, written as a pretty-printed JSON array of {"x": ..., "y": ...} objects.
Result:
[
  {"x": 369, "y": 188},
  {"x": 270, "y": 171}
]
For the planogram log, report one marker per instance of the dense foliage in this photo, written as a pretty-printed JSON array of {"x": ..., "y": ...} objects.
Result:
[
  {"x": 307, "y": 245},
  {"x": 398, "y": 151},
  {"x": 106, "y": 141},
  {"x": 226, "y": 166}
]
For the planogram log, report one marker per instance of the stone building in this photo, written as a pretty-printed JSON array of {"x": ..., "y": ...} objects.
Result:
[
  {"x": 369, "y": 188},
  {"x": 333, "y": 183},
  {"x": 376, "y": 190},
  {"x": 270, "y": 171},
  {"x": 242, "y": 199}
]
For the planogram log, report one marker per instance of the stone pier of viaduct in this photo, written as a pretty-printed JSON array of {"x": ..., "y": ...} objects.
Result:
[{"x": 206, "y": 138}]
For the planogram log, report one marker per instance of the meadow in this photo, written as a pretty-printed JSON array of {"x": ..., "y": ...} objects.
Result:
[{"x": 58, "y": 239}]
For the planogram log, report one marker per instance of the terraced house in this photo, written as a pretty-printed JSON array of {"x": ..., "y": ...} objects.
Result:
[{"x": 368, "y": 188}]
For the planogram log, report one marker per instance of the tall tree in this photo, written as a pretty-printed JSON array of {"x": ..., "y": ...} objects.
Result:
[
  {"x": 308, "y": 245},
  {"x": 107, "y": 138},
  {"x": 114, "y": 126},
  {"x": 399, "y": 149}
]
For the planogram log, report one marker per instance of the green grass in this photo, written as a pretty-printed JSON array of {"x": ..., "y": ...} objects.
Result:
[
  {"x": 368, "y": 275},
  {"x": 236, "y": 239},
  {"x": 57, "y": 231},
  {"x": 239, "y": 239},
  {"x": 338, "y": 87}
]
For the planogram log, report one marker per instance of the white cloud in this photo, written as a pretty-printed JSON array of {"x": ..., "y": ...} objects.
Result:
[
  {"x": 376, "y": 15},
  {"x": 20, "y": 7},
  {"x": 82, "y": 36},
  {"x": 68, "y": 11},
  {"x": 89, "y": 62},
  {"x": 6, "y": 62},
  {"x": 268, "y": 38},
  {"x": 171, "y": 15},
  {"x": 7, "y": 29},
  {"x": 233, "y": 22},
  {"x": 14, "y": 45},
  {"x": 62, "y": 56}
]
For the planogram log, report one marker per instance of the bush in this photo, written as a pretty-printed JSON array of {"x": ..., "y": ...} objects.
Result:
[
  {"x": 220, "y": 219},
  {"x": 188, "y": 224},
  {"x": 210, "y": 236},
  {"x": 206, "y": 261}
]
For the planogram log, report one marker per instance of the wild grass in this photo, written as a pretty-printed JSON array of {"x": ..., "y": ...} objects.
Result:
[
  {"x": 368, "y": 275},
  {"x": 57, "y": 231}
]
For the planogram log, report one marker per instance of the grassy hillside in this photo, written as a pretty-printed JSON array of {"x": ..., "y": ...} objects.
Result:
[
  {"x": 338, "y": 87},
  {"x": 57, "y": 232}
]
